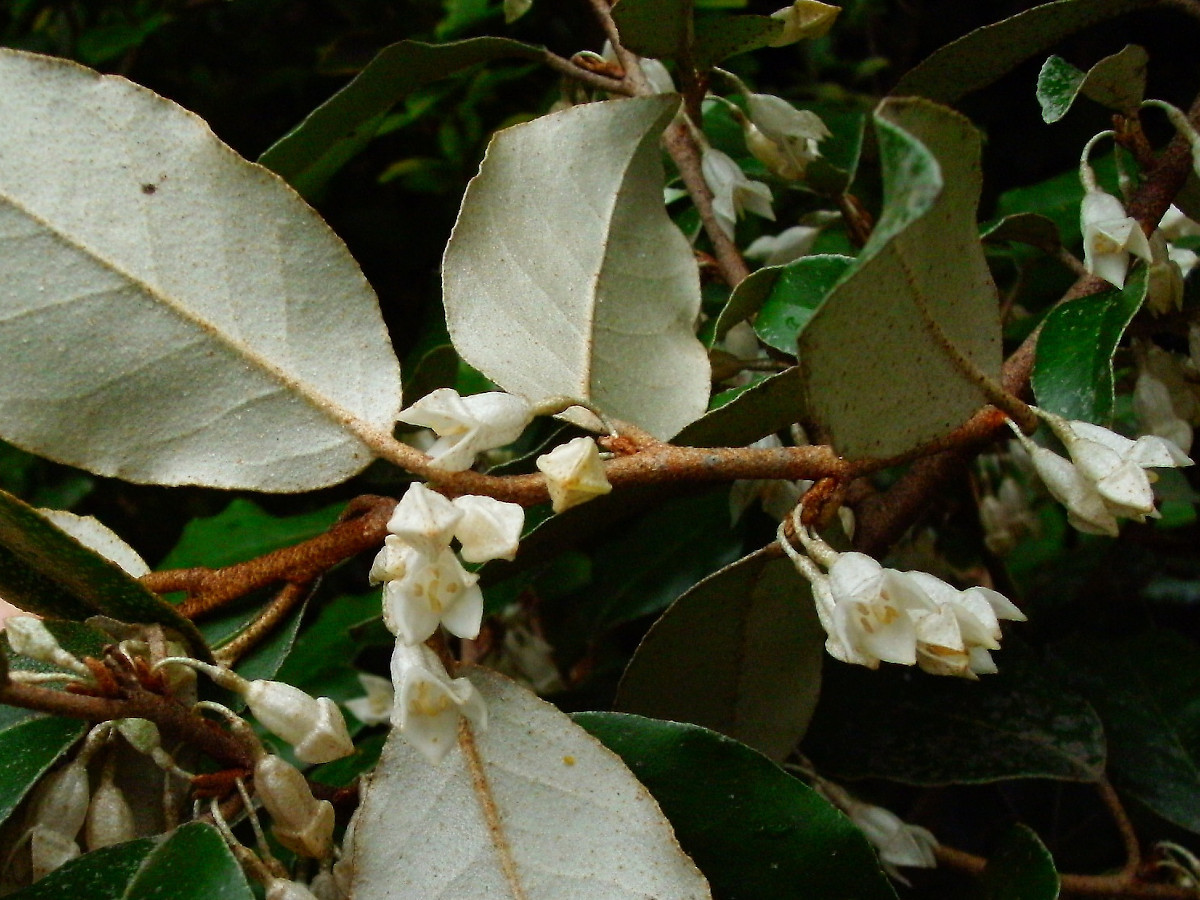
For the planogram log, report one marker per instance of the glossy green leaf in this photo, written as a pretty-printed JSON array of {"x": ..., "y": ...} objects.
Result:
[
  {"x": 190, "y": 863},
  {"x": 1145, "y": 689},
  {"x": 771, "y": 405},
  {"x": 308, "y": 155},
  {"x": 656, "y": 28},
  {"x": 923, "y": 283},
  {"x": 724, "y": 36},
  {"x": 1020, "y": 868},
  {"x": 242, "y": 531},
  {"x": 604, "y": 310},
  {"x": 740, "y": 653},
  {"x": 1073, "y": 370},
  {"x": 977, "y": 59},
  {"x": 1029, "y": 228},
  {"x": 747, "y": 298},
  {"x": 44, "y": 570},
  {"x": 322, "y": 662},
  {"x": 800, "y": 288},
  {"x": 265, "y": 659},
  {"x": 756, "y": 832},
  {"x": 644, "y": 567},
  {"x": 1117, "y": 81},
  {"x": 30, "y": 743},
  {"x": 907, "y": 726}
]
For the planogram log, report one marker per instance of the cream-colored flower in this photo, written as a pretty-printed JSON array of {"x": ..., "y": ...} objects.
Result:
[
  {"x": 375, "y": 706},
  {"x": 434, "y": 590},
  {"x": 574, "y": 473},
  {"x": 804, "y": 19},
  {"x": 312, "y": 725},
  {"x": 429, "y": 703},
  {"x": 489, "y": 529},
  {"x": 467, "y": 426},
  {"x": 1110, "y": 236},
  {"x": 733, "y": 192},
  {"x": 781, "y": 137}
]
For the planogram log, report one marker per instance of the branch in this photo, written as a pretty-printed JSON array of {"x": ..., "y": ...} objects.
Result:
[{"x": 883, "y": 518}]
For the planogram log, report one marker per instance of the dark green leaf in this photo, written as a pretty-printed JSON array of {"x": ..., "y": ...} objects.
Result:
[
  {"x": 1073, "y": 371},
  {"x": 756, "y": 832},
  {"x": 923, "y": 283},
  {"x": 718, "y": 37},
  {"x": 45, "y": 570},
  {"x": 1026, "y": 228},
  {"x": 902, "y": 724},
  {"x": 746, "y": 300},
  {"x": 740, "y": 653},
  {"x": 762, "y": 409},
  {"x": 1145, "y": 690},
  {"x": 1117, "y": 81},
  {"x": 29, "y": 744},
  {"x": 243, "y": 531},
  {"x": 342, "y": 772},
  {"x": 1020, "y": 868},
  {"x": 985, "y": 54},
  {"x": 350, "y": 116},
  {"x": 322, "y": 662},
  {"x": 798, "y": 291},
  {"x": 190, "y": 863},
  {"x": 644, "y": 567},
  {"x": 266, "y": 658},
  {"x": 655, "y": 28}
]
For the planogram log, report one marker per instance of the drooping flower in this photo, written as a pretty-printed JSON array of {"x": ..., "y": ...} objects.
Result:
[
  {"x": 804, "y": 19},
  {"x": 1105, "y": 479},
  {"x": 312, "y": 725},
  {"x": 429, "y": 703},
  {"x": 434, "y": 590},
  {"x": 574, "y": 473},
  {"x": 375, "y": 706},
  {"x": 733, "y": 192},
  {"x": 781, "y": 137},
  {"x": 424, "y": 519},
  {"x": 897, "y": 843},
  {"x": 1110, "y": 236},
  {"x": 300, "y": 821},
  {"x": 489, "y": 528},
  {"x": 467, "y": 426},
  {"x": 1005, "y": 516},
  {"x": 872, "y": 614}
]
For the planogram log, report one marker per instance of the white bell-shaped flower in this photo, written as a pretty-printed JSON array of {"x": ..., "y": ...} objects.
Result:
[
  {"x": 733, "y": 192},
  {"x": 435, "y": 590},
  {"x": 312, "y": 725},
  {"x": 574, "y": 473},
  {"x": 393, "y": 560},
  {"x": 375, "y": 707},
  {"x": 467, "y": 426},
  {"x": 1005, "y": 516},
  {"x": 787, "y": 138},
  {"x": 489, "y": 529},
  {"x": 1155, "y": 410},
  {"x": 424, "y": 519},
  {"x": 1109, "y": 237},
  {"x": 429, "y": 703}
]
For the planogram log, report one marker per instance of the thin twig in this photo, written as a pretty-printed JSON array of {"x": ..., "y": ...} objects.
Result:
[
  {"x": 592, "y": 79},
  {"x": 285, "y": 601}
]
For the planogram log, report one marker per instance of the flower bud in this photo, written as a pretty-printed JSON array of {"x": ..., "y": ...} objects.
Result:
[
  {"x": 109, "y": 816},
  {"x": 49, "y": 849},
  {"x": 424, "y": 519},
  {"x": 804, "y": 19},
  {"x": 312, "y": 725},
  {"x": 574, "y": 473},
  {"x": 301, "y": 822},
  {"x": 61, "y": 800},
  {"x": 29, "y": 636}
]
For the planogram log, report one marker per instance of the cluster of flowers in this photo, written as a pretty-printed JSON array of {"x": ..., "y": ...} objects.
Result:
[
  {"x": 873, "y": 614},
  {"x": 1166, "y": 395},
  {"x": 425, "y": 583},
  {"x": 1105, "y": 478},
  {"x": 1111, "y": 237}
]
